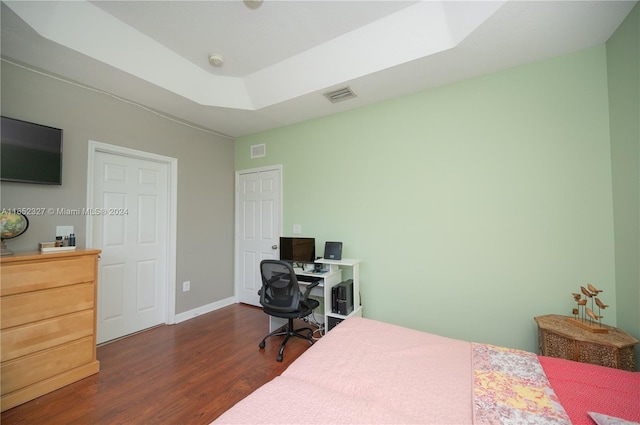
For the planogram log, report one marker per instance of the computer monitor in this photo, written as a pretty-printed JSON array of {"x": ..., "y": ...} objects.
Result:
[{"x": 298, "y": 250}]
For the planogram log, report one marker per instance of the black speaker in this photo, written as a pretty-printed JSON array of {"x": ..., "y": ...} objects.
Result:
[{"x": 333, "y": 250}]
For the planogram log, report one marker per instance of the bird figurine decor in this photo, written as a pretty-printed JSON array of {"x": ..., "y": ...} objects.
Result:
[{"x": 584, "y": 316}]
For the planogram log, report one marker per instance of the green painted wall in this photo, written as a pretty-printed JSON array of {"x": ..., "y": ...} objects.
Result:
[
  {"x": 474, "y": 207},
  {"x": 623, "y": 66}
]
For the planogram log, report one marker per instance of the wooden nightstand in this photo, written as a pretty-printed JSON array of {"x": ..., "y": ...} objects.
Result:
[{"x": 559, "y": 338}]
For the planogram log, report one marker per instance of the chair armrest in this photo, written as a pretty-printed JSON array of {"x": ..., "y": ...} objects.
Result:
[{"x": 309, "y": 288}]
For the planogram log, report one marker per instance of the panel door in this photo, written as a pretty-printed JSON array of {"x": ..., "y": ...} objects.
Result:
[
  {"x": 132, "y": 279},
  {"x": 258, "y": 228}
]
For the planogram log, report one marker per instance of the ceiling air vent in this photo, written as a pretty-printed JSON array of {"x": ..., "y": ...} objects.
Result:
[{"x": 339, "y": 95}]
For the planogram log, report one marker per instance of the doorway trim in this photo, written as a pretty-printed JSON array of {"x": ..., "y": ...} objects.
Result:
[
  {"x": 236, "y": 254},
  {"x": 172, "y": 207}
]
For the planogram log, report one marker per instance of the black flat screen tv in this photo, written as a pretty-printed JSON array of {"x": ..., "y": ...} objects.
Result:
[
  {"x": 298, "y": 250},
  {"x": 30, "y": 153}
]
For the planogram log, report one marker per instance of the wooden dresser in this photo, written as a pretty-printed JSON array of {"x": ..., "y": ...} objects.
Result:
[
  {"x": 559, "y": 338},
  {"x": 48, "y": 327}
]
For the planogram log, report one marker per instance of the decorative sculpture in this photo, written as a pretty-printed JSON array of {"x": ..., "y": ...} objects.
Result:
[
  {"x": 585, "y": 316},
  {"x": 593, "y": 289}
]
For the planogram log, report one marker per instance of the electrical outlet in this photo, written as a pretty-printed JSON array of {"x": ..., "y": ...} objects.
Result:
[
  {"x": 297, "y": 229},
  {"x": 186, "y": 286}
]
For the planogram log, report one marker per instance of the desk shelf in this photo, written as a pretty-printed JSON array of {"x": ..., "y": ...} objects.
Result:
[
  {"x": 328, "y": 280},
  {"x": 336, "y": 266}
]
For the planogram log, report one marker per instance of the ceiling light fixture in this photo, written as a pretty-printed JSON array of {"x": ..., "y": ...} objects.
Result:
[
  {"x": 216, "y": 60},
  {"x": 253, "y": 4}
]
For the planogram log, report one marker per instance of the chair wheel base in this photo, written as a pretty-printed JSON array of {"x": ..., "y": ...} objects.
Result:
[{"x": 287, "y": 331}]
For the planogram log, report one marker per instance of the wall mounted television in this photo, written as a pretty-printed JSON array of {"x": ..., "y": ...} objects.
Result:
[
  {"x": 298, "y": 250},
  {"x": 30, "y": 153}
]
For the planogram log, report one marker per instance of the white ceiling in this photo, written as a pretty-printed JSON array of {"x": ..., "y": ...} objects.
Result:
[{"x": 280, "y": 58}]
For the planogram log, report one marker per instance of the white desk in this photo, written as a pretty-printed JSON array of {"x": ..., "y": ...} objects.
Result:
[{"x": 331, "y": 277}]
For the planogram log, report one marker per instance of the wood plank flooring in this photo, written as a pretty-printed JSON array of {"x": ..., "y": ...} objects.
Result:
[{"x": 185, "y": 374}]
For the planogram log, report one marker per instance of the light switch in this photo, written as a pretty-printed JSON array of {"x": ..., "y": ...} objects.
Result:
[
  {"x": 64, "y": 230},
  {"x": 297, "y": 229}
]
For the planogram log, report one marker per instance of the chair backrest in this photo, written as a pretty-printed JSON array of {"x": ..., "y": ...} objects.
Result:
[{"x": 280, "y": 290}]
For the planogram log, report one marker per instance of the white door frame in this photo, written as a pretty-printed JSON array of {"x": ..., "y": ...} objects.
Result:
[
  {"x": 172, "y": 206},
  {"x": 277, "y": 167}
]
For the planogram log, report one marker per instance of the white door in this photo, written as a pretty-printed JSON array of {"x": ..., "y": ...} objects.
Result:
[
  {"x": 131, "y": 195},
  {"x": 258, "y": 224}
]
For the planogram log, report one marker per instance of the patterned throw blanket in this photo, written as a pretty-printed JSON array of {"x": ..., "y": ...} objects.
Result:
[{"x": 510, "y": 387}]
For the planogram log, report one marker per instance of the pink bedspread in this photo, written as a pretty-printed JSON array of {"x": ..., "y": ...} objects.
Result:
[
  {"x": 584, "y": 388},
  {"x": 368, "y": 372}
]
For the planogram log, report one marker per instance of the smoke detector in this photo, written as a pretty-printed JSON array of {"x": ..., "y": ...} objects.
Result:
[{"x": 216, "y": 60}]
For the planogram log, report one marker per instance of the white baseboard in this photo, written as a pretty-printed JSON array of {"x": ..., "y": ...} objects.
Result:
[{"x": 181, "y": 317}]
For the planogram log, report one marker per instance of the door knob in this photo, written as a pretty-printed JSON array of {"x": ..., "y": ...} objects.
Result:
[{"x": 274, "y": 246}]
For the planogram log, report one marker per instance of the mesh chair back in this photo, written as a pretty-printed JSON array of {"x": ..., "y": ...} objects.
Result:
[{"x": 280, "y": 290}]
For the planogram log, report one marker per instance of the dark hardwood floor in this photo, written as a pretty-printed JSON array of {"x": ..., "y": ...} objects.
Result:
[{"x": 188, "y": 373}]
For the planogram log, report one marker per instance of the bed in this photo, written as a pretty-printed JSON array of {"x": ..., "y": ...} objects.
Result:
[{"x": 369, "y": 372}]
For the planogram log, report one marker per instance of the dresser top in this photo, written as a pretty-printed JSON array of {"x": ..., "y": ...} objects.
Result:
[
  {"x": 37, "y": 255},
  {"x": 558, "y": 324}
]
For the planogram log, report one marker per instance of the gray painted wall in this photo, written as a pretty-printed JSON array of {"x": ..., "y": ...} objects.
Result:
[{"x": 205, "y": 175}]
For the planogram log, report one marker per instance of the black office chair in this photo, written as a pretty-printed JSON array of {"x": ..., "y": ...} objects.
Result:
[{"x": 280, "y": 296}]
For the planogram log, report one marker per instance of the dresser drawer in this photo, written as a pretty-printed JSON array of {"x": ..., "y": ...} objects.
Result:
[
  {"x": 25, "y": 371},
  {"x": 32, "y": 337},
  {"x": 32, "y": 276},
  {"x": 47, "y": 322},
  {"x": 33, "y": 306}
]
